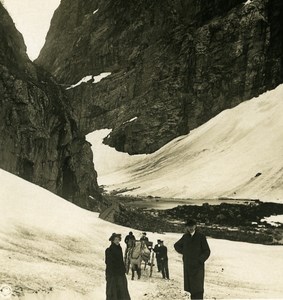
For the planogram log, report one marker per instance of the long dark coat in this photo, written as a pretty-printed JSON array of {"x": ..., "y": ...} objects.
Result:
[
  {"x": 195, "y": 251},
  {"x": 116, "y": 281},
  {"x": 163, "y": 252}
]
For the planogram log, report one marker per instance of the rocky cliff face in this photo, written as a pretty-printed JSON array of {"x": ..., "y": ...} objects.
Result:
[
  {"x": 39, "y": 138},
  {"x": 174, "y": 64}
]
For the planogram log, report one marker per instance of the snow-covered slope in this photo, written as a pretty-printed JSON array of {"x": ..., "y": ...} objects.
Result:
[
  {"x": 48, "y": 243},
  {"x": 239, "y": 153},
  {"x": 56, "y": 248}
]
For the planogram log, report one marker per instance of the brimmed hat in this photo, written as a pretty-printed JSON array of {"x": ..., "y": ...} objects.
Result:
[
  {"x": 114, "y": 235},
  {"x": 144, "y": 233},
  {"x": 191, "y": 222}
]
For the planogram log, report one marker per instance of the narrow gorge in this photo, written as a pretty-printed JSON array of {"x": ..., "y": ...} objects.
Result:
[{"x": 39, "y": 138}]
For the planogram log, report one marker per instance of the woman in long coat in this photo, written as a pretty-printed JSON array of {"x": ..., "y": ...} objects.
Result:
[
  {"x": 195, "y": 250},
  {"x": 116, "y": 281}
]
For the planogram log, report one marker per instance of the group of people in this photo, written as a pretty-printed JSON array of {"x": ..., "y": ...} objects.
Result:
[
  {"x": 136, "y": 251},
  {"x": 192, "y": 246},
  {"x": 144, "y": 247}
]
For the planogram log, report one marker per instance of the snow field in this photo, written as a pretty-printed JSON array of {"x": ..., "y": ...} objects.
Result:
[
  {"x": 54, "y": 248},
  {"x": 237, "y": 154}
]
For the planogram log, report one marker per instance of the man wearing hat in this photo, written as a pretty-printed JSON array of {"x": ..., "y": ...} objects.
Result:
[
  {"x": 144, "y": 238},
  {"x": 156, "y": 250},
  {"x": 116, "y": 281},
  {"x": 130, "y": 240},
  {"x": 164, "y": 260},
  {"x": 195, "y": 250}
]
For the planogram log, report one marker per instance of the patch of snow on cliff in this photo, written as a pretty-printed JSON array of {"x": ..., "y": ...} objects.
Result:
[
  {"x": 95, "y": 79},
  {"x": 99, "y": 77},
  {"x": 84, "y": 79},
  {"x": 248, "y": 2},
  {"x": 95, "y": 12},
  {"x": 131, "y": 120}
]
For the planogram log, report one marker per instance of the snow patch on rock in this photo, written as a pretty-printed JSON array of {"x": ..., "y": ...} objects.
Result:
[
  {"x": 131, "y": 120},
  {"x": 88, "y": 78},
  {"x": 248, "y": 2}
]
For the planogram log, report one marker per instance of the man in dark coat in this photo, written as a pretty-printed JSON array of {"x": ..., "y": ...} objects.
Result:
[
  {"x": 144, "y": 238},
  {"x": 156, "y": 250},
  {"x": 116, "y": 281},
  {"x": 164, "y": 260},
  {"x": 195, "y": 250},
  {"x": 130, "y": 240}
]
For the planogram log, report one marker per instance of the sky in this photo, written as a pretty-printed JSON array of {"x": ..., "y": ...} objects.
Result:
[{"x": 32, "y": 19}]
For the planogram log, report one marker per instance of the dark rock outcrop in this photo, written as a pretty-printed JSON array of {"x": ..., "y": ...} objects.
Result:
[
  {"x": 39, "y": 138},
  {"x": 174, "y": 64}
]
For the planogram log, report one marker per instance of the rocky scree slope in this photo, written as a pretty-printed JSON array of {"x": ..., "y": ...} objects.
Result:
[
  {"x": 39, "y": 138},
  {"x": 174, "y": 64}
]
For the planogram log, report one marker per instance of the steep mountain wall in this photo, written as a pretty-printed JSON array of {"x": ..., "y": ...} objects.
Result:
[
  {"x": 39, "y": 138},
  {"x": 174, "y": 64}
]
